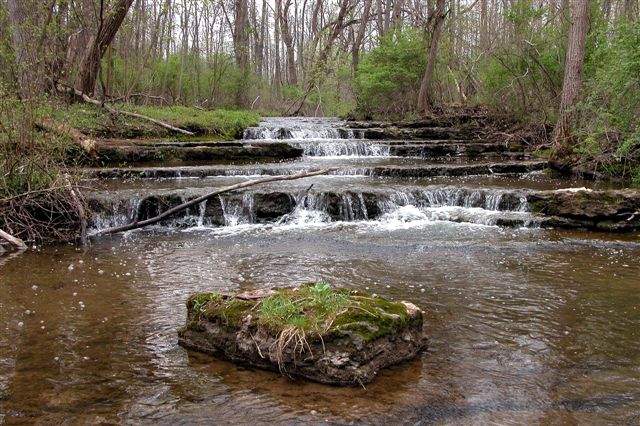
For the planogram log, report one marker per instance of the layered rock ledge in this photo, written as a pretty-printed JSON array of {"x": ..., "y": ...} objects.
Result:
[
  {"x": 315, "y": 332},
  {"x": 145, "y": 151}
]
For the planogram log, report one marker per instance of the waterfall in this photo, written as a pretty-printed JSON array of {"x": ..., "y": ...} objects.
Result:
[
  {"x": 238, "y": 210},
  {"x": 389, "y": 207},
  {"x": 301, "y": 129},
  {"x": 342, "y": 148}
]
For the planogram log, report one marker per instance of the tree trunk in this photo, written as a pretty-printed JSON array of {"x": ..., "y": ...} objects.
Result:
[
  {"x": 574, "y": 62},
  {"x": 287, "y": 38},
  {"x": 241, "y": 48},
  {"x": 22, "y": 20},
  {"x": 425, "y": 97},
  {"x": 90, "y": 64},
  {"x": 357, "y": 44}
]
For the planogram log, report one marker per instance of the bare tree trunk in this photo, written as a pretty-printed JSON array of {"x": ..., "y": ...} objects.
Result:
[
  {"x": 287, "y": 37},
  {"x": 22, "y": 19},
  {"x": 357, "y": 44},
  {"x": 90, "y": 64},
  {"x": 241, "y": 48},
  {"x": 425, "y": 97},
  {"x": 277, "y": 76},
  {"x": 572, "y": 83}
]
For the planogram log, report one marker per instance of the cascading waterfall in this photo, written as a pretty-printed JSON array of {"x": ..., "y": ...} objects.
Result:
[
  {"x": 299, "y": 133},
  {"x": 482, "y": 206},
  {"x": 343, "y": 148},
  {"x": 238, "y": 210}
]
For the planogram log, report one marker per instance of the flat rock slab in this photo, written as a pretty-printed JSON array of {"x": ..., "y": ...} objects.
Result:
[{"x": 331, "y": 336}]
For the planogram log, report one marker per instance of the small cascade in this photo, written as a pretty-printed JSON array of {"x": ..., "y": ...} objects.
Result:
[
  {"x": 486, "y": 199},
  {"x": 297, "y": 133},
  {"x": 238, "y": 210},
  {"x": 301, "y": 129},
  {"x": 118, "y": 213},
  {"x": 340, "y": 148},
  {"x": 453, "y": 204}
]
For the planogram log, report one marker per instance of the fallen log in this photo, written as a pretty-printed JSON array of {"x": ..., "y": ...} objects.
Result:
[
  {"x": 64, "y": 130},
  {"x": 16, "y": 242},
  {"x": 195, "y": 201},
  {"x": 112, "y": 110}
]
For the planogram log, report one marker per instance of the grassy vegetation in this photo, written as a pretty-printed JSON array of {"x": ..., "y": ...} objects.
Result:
[
  {"x": 30, "y": 161},
  {"x": 36, "y": 202},
  {"x": 311, "y": 311},
  {"x": 215, "y": 124}
]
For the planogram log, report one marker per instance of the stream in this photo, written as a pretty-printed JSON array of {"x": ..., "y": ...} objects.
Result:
[{"x": 526, "y": 325}]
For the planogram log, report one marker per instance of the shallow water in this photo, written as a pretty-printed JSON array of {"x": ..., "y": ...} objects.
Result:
[{"x": 525, "y": 326}]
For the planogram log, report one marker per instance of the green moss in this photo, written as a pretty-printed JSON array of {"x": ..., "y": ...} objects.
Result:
[
  {"x": 229, "y": 311},
  {"x": 544, "y": 153},
  {"x": 197, "y": 304},
  {"x": 372, "y": 317},
  {"x": 313, "y": 310}
]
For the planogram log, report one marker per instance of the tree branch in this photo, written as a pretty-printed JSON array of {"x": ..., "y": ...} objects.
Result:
[
  {"x": 112, "y": 110},
  {"x": 16, "y": 242},
  {"x": 195, "y": 201}
]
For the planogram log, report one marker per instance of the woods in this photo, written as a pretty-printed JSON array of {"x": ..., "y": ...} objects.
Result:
[{"x": 564, "y": 73}]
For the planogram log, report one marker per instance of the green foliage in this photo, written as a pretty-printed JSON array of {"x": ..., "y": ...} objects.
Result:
[
  {"x": 30, "y": 161},
  {"x": 609, "y": 128},
  {"x": 219, "y": 123},
  {"x": 389, "y": 76},
  {"x": 524, "y": 75}
]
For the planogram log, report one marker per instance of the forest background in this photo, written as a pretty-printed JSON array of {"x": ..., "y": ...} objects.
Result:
[{"x": 568, "y": 65}]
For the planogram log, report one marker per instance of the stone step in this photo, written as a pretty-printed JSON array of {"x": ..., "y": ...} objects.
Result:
[
  {"x": 141, "y": 153},
  {"x": 603, "y": 210},
  {"x": 408, "y": 171}
]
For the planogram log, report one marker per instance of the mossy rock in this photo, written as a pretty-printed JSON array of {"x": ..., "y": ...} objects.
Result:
[{"x": 324, "y": 334}]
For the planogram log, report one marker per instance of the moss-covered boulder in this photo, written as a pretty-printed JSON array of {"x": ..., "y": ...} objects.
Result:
[{"x": 333, "y": 336}]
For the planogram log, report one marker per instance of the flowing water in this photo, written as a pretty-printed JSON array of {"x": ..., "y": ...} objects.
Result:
[{"x": 525, "y": 325}]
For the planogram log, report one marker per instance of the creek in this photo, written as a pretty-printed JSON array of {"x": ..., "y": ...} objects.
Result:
[{"x": 526, "y": 325}]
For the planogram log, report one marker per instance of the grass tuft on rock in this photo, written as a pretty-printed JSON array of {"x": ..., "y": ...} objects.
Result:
[{"x": 312, "y": 311}]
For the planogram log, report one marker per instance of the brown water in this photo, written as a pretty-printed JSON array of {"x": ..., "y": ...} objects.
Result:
[{"x": 526, "y": 326}]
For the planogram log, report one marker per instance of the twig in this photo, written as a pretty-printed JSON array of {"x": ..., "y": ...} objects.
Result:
[
  {"x": 177, "y": 209},
  {"x": 16, "y": 242}
]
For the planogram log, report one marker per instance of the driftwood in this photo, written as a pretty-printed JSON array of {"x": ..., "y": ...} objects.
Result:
[
  {"x": 61, "y": 129},
  {"x": 79, "y": 206},
  {"x": 112, "y": 110},
  {"x": 195, "y": 201},
  {"x": 16, "y": 242}
]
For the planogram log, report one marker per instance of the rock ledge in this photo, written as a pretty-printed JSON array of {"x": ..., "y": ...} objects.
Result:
[{"x": 331, "y": 336}]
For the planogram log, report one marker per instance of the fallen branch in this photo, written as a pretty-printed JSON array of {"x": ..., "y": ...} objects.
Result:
[
  {"x": 16, "y": 242},
  {"x": 77, "y": 204},
  {"x": 64, "y": 130},
  {"x": 195, "y": 201},
  {"x": 112, "y": 110}
]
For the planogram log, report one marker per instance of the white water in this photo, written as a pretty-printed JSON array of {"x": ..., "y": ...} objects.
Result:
[
  {"x": 394, "y": 208},
  {"x": 335, "y": 148},
  {"x": 301, "y": 129}
]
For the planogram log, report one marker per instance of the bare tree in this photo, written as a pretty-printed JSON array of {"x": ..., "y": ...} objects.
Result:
[
  {"x": 425, "y": 96},
  {"x": 574, "y": 63},
  {"x": 90, "y": 64}
]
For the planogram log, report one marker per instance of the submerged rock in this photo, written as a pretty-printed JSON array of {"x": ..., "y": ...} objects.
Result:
[{"x": 332, "y": 336}]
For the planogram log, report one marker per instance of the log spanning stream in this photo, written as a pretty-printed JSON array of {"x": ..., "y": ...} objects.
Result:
[{"x": 526, "y": 324}]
